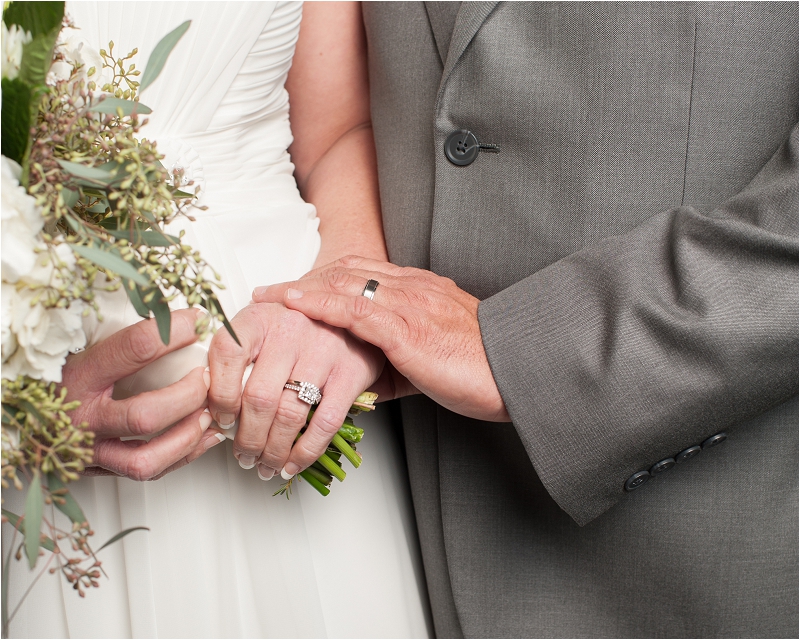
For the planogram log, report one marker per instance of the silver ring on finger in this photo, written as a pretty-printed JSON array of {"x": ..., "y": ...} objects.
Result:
[
  {"x": 306, "y": 391},
  {"x": 370, "y": 288}
]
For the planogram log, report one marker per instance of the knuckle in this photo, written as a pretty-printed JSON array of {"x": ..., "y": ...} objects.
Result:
[
  {"x": 140, "y": 467},
  {"x": 362, "y": 307},
  {"x": 138, "y": 419},
  {"x": 328, "y": 421},
  {"x": 339, "y": 281},
  {"x": 139, "y": 345},
  {"x": 291, "y": 414},
  {"x": 349, "y": 262},
  {"x": 259, "y": 400}
]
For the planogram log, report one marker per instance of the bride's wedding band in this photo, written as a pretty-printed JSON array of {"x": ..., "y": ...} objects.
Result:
[
  {"x": 306, "y": 391},
  {"x": 370, "y": 288}
]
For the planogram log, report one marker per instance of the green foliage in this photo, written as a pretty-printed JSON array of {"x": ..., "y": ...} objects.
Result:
[
  {"x": 39, "y": 18},
  {"x": 120, "y": 107},
  {"x": 16, "y": 119},
  {"x": 34, "y": 506},
  {"x": 160, "y": 54}
]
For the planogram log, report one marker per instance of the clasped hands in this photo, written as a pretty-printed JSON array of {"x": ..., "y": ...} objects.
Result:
[{"x": 419, "y": 334}]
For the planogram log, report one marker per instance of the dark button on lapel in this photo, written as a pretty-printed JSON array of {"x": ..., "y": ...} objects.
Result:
[
  {"x": 714, "y": 440},
  {"x": 686, "y": 454},
  {"x": 663, "y": 465},
  {"x": 461, "y": 148},
  {"x": 637, "y": 480}
]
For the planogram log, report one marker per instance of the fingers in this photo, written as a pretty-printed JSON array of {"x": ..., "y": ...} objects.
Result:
[
  {"x": 211, "y": 438},
  {"x": 262, "y": 398},
  {"x": 129, "y": 350},
  {"x": 152, "y": 411},
  {"x": 228, "y": 361},
  {"x": 362, "y": 317},
  {"x": 141, "y": 460}
]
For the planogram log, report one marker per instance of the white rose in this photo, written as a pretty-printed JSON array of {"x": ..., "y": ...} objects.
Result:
[
  {"x": 13, "y": 41},
  {"x": 78, "y": 53},
  {"x": 21, "y": 223},
  {"x": 44, "y": 336}
]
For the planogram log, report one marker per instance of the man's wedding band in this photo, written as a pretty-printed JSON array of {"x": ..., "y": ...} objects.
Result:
[
  {"x": 306, "y": 391},
  {"x": 370, "y": 288}
]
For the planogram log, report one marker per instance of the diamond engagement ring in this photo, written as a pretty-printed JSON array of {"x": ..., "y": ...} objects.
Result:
[
  {"x": 306, "y": 391},
  {"x": 370, "y": 288}
]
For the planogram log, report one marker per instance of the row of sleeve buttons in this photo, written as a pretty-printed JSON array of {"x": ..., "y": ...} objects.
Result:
[{"x": 640, "y": 477}]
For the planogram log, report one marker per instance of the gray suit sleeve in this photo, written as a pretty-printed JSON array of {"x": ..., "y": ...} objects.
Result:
[{"x": 631, "y": 350}]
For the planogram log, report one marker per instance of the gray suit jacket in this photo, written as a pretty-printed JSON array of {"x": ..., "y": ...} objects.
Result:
[{"x": 634, "y": 245}]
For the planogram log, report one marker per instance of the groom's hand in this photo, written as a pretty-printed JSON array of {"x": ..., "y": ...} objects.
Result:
[
  {"x": 285, "y": 345},
  {"x": 426, "y": 326},
  {"x": 89, "y": 377}
]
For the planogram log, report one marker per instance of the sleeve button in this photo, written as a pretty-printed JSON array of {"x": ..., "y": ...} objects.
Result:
[
  {"x": 637, "y": 480},
  {"x": 687, "y": 454},
  {"x": 661, "y": 466},
  {"x": 713, "y": 441}
]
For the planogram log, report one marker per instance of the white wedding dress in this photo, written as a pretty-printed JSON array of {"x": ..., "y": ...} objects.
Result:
[{"x": 223, "y": 557}]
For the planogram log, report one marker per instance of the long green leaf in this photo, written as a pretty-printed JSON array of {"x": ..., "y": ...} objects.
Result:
[
  {"x": 102, "y": 176},
  {"x": 34, "y": 506},
  {"x": 121, "y": 535},
  {"x": 37, "y": 56},
  {"x": 135, "y": 296},
  {"x": 160, "y": 310},
  {"x": 70, "y": 506},
  {"x": 19, "y": 524},
  {"x": 110, "y": 105},
  {"x": 160, "y": 54},
  {"x": 138, "y": 236},
  {"x": 16, "y": 119},
  {"x": 217, "y": 307},
  {"x": 36, "y": 17},
  {"x": 112, "y": 262}
]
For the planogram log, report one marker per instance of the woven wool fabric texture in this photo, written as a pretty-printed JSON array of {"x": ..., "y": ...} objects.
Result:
[{"x": 634, "y": 243}]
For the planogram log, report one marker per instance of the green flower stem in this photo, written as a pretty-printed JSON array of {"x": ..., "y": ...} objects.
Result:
[
  {"x": 351, "y": 433},
  {"x": 320, "y": 474},
  {"x": 308, "y": 477},
  {"x": 341, "y": 444},
  {"x": 331, "y": 467}
]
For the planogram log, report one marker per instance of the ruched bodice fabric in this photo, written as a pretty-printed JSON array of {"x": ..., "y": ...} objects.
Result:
[{"x": 223, "y": 558}]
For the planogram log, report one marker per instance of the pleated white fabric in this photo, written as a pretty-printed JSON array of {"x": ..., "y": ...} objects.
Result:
[{"x": 223, "y": 558}]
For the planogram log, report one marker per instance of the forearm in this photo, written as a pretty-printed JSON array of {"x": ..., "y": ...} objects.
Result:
[{"x": 344, "y": 188}]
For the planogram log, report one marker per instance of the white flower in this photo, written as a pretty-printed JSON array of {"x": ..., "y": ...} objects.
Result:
[
  {"x": 36, "y": 339},
  {"x": 13, "y": 41},
  {"x": 21, "y": 223},
  {"x": 78, "y": 53}
]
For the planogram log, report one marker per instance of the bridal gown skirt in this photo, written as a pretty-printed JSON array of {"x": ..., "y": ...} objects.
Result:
[{"x": 223, "y": 557}]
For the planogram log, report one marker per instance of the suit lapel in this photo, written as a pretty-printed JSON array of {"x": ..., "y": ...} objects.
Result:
[
  {"x": 442, "y": 16},
  {"x": 471, "y": 16}
]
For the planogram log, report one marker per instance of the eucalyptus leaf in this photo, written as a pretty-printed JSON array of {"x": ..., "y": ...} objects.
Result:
[
  {"x": 110, "y": 172},
  {"x": 35, "y": 17},
  {"x": 70, "y": 506},
  {"x": 160, "y": 54},
  {"x": 160, "y": 310},
  {"x": 121, "y": 535},
  {"x": 112, "y": 262},
  {"x": 182, "y": 194},
  {"x": 74, "y": 224},
  {"x": 135, "y": 296},
  {"x": 215, "y": 306},
  {"x": 16, "y": 119},
  {"x": 19, "y": 524},
  {"x": 139, "y": 237},
  {"x": 70, "y": 197},
  {"x": 110, "y": 105},
  {"x": 34, "y": 505}
]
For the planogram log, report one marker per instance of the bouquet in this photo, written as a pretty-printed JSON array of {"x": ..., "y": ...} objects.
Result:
[{"x": 85, "y": 207}]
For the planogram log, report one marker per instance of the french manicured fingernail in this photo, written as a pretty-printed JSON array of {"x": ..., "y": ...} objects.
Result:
[
  {"x": 258, "y": 291},
  {"x": 294, "y": 294},
  {"x": 205, "y": 420},
  {"x": 289, "y": 471},
  {"x": 264, "y": 472},
  {"x": 207, "y": 377},
  {"x": 213, "y": 441},
  {"x": 247, "y": 462},
  {"x": 225, "y": 420}
]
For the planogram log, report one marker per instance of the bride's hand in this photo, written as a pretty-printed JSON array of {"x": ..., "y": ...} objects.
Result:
[
  {"x": 285, "y": 345},
  {"x": 89, "y": 377}
]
